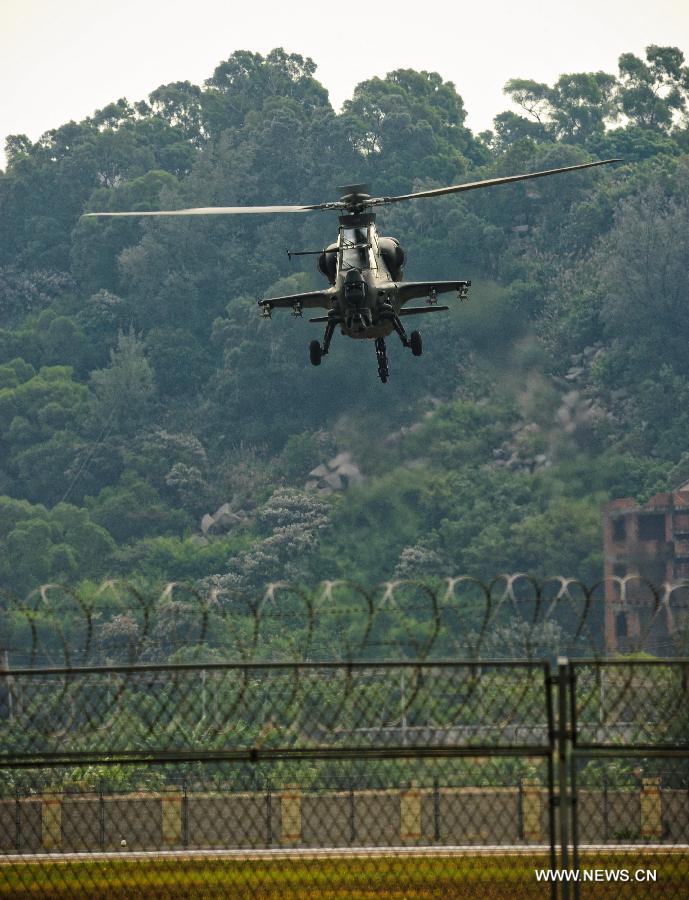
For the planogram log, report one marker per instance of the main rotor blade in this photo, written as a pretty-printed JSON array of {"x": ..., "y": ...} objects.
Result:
[
  {"x": 216, "y": 211},
  {"x": 489, "y": 182}
]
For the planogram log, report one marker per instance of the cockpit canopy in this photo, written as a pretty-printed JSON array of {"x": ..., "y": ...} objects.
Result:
[{"x": 355, "y": 248}]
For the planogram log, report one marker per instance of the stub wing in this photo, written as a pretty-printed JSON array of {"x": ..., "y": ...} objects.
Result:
[
  {"x": 413, "y": 290},
  {"x": 297, "y": 302},
  {"x": 419, "y": 310}
]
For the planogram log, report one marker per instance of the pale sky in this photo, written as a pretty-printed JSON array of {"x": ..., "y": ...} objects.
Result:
[{"x": 63, "y": 59}]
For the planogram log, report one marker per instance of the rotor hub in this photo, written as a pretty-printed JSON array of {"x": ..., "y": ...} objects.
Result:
[{"x": 355, "y": 197}]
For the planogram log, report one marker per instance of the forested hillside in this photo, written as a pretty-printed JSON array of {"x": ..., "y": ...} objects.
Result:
[{"x": 140, "y": 391}]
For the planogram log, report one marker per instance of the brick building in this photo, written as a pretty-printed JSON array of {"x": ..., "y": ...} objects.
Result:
[{"x": 646, "y": 545}]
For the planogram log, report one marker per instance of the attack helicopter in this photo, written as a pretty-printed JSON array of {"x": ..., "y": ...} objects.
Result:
[{"x": 367, "y": 295}]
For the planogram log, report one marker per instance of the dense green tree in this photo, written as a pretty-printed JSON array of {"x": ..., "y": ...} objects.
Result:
[
  {"x": 180, "y": 104},
  {"x": 511, "y": 128},
  {"x": 180, "y": 361},
  {"x": 576, "y": 107},
  {"x": 410, "y": 124},
  {"x": 27, "y": 293},
  {"x": 103, "y": 316},
  {"x": 645, "y": 280},
  {"x": 582, "y": 103},
  {"x": 97, "y": 243},
  {"x": 42, "y": 416},
  {"x": 649, "y": 93},
  {"x": 42, "y": 545},
  {"x": 47, "y": 399},
  {"x": 133, "y": 509},
  {"x": 176, "y": 465},
  {"x": 125, "y": 390},
  {"x": 246, "y": 81},
  {"x": 653, "y": 91},
  {"x": 291, "y": 523}
]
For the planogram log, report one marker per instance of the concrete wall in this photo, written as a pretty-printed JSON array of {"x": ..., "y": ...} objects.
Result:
[
  {"x": 232, "y": 820},
  {"x": 348, "y": 818}
]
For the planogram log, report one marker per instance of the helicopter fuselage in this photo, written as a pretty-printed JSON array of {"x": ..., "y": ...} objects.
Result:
[
  {"x": 364, "y": 277},
  {"x": 365, "y": 271},
  {"x": 367, "y": 294}
]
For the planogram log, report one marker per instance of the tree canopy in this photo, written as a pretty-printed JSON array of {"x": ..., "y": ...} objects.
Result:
[{"x": 141, "y": 394}]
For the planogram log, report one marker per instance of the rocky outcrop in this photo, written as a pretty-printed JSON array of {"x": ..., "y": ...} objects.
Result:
[
  {"x": 337, "y": 474},
  {"x": 224, "y": 519},
  {"x": 531, "y": 445},
  {"x": 580, "y": 363}
]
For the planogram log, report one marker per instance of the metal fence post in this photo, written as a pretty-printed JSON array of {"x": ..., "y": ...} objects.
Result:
[
  {"x": 606, "y": 813},
  {"x": 436, "y": 810},
  {"x": 552, "y": 805},
  {"x": 562, "y": 766},
  {"x": 101, "y": 815},
  {"x": 571, "y": 737},
  {"x": 550, "y": 681},
  {"x": 17, "y": 820},
  {"x": 352, "y": 820}
]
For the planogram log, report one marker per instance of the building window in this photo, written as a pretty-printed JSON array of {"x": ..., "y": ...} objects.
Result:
[
  {"x": 621, "y": 625},
  {"x": 681, "y": 523},
  {"x": 619, "y": 529},
  {"x": 652, "y": 527}
]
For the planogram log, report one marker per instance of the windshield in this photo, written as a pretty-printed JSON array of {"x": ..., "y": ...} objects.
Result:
[{"x": 355, "y": 247}]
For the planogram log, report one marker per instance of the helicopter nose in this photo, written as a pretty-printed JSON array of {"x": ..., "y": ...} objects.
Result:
[
  {"x": 353, "y": 276},
  {"x": 355, "y": 286}
]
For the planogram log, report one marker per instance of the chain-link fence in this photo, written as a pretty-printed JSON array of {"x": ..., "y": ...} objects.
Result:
[
  {"x": 301, "y": 779},
  {"x": 629, "y": 770},
  {"x": 157, "y": 774},
  {"x": 416, "y": 828}
]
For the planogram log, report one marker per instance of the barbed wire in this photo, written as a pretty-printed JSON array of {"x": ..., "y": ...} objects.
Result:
[{"x": 459, "y": 617}]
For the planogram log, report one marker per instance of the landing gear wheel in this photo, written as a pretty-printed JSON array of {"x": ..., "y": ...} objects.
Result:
[
  {"x": 415, "y": 343},
  {"x": 315, "y": 353},
  {"x": 382, "y": 357}
]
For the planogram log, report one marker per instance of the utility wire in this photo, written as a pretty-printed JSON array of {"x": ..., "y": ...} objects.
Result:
[{"x": 105, "y": 433}]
